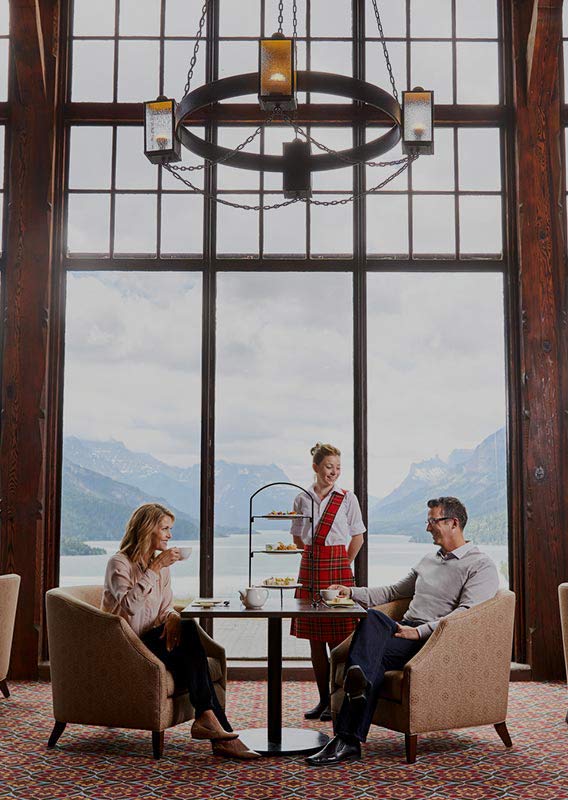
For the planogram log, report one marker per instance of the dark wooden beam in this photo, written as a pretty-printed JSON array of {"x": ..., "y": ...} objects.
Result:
[
  {"x": 543, "y": 330},
  {"x": 250, "y": 114},
  {"x": 26, "y": 318}
]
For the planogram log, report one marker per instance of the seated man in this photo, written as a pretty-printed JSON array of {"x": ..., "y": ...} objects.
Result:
[{"x": 453, "y": 579}]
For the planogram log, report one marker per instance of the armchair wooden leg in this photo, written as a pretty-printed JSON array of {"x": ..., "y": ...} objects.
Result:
[
  {"x": 4, "y": 688},
  {"x": 58, "y": 729},
  {"x": 158, "y": 743},
  {"x": 501, "y": 728},
  {"x": 410, "y": 742}
]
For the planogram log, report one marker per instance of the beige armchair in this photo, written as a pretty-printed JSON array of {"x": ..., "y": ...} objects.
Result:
[
  {"x": 458, "y": 679},
  {"x": 9, "y": 588},
  {"x": 102, "y": 674},
  {"x": 563, "y": 600}
]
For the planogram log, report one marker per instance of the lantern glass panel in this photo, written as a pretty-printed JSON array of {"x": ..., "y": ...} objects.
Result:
[
  {"x": 276, "y": 75},
  {"x": 159, "y": 128},
  {"x": 417, "y": 117}
]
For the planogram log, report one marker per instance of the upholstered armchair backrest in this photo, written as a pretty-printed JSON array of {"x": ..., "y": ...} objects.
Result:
[{"x": 9, "y": 588}]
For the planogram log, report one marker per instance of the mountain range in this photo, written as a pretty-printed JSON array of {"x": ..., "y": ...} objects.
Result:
[{"x": 103, "y": 481}]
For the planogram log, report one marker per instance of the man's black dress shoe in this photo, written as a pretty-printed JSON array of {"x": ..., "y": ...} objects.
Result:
[
  {"x": 336, "y": 751},
  {"x": 317, "y": 711},
  {"x": 356, "y": 685},
  {"x": 325, "y": 715}
]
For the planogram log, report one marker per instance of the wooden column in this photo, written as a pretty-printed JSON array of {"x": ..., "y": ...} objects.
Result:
[
  {"x": 26, "y": 315},
  {"x": 537, "y": 36}
]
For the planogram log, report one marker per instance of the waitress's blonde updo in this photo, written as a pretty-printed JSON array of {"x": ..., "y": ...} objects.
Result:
[{"x": 319, "y": 451}]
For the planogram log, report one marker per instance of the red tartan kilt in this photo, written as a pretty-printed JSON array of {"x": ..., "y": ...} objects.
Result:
[{"x": 332, "y": 566}]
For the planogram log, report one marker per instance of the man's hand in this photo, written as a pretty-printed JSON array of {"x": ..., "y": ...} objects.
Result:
[
  {"x": 344, "y": 591},
  {"x": 406, "y": 632},
  {"x": 166, "y": 557},
  {"x": 172, "y": 631}
]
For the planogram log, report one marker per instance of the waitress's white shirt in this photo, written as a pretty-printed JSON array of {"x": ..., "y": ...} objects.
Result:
[{"x": 348, "y": 521}]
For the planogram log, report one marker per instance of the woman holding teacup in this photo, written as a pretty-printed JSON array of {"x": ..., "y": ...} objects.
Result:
[
  {"x": 338, "y": 537},
  {"x": 138, "y": 588}
]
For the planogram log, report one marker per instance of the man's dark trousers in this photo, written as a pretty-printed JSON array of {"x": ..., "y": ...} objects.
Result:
[{"x": 375, "y": 649}]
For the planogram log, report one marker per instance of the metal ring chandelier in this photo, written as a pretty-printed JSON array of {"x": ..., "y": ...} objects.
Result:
[{"x": 277, "y": 83}]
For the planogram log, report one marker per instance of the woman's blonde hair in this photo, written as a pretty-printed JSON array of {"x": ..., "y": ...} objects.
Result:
[
  {"x": 137, "y": 539},
  {"x": 319, "y": 451}
]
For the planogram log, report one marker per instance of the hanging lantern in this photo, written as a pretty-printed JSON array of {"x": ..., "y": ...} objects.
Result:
[
  {"x": 277, "y": 73},
  {"x": 296, "y": 176},
  {"x": 418, "y": 122},
  {"x": 161, "y": 145}
]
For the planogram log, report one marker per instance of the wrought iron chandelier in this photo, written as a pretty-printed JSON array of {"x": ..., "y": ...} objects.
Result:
[{"x": 277, "y": 82}]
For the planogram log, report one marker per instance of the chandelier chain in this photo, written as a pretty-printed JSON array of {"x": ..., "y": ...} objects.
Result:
[
  {"x": 338, "y": 155},
  {"x": 281, "y": 16},
  {"x": 385, "y": 50},
  {"x": 351, "y": 198},
  {"x": 295, "y": 18},
  {"x": 198, "y": 37}
]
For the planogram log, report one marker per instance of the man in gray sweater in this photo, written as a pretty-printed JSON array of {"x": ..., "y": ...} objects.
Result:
[{"x": 451, "y": 580}]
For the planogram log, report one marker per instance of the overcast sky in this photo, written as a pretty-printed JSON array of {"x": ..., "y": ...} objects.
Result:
[{"x": 284, "y": 366}]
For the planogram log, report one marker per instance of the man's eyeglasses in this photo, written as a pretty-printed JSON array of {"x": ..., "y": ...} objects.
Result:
[{"x": 433, "y": 520}]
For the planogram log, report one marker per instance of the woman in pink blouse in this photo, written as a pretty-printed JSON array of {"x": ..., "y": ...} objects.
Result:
[{"x": 138, "y": 588}]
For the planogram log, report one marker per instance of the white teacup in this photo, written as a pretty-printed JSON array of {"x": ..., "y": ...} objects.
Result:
[
  {"x": 329, "y": 594},
  {"x": 184, "y": 552}
]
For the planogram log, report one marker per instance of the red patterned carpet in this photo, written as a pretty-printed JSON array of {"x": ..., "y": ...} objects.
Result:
[{"x": 98, "y": 763}]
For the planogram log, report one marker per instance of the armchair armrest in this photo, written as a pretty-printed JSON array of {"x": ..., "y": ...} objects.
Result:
[{"x": 396, "y": 609}]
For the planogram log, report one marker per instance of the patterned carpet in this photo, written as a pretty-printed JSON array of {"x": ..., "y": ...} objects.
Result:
[{"x": 462, "y": 765}]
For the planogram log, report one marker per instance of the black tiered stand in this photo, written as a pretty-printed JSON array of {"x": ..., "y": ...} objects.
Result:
[{"x": 253, "y": 517}]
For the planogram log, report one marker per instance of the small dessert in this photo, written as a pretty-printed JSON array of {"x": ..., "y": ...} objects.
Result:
[{"x": 279, "y": 581}]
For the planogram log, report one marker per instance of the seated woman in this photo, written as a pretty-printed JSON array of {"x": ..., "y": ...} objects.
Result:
[{"x": 138, "y": 588}]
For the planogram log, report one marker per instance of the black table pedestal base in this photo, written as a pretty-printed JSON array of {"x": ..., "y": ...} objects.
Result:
[{"x": 295, "y": 741}]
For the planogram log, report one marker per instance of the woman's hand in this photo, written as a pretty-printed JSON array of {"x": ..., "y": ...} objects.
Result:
[
  {"x": 166, "y": 557},
  {"x": 172, "y": 630},
  {"x": 344, "y": 591}
]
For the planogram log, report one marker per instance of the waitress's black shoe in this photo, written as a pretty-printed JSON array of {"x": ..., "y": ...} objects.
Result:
[
  {"x": 317, "y": 711},
  {"x": 336, "y": 751}
]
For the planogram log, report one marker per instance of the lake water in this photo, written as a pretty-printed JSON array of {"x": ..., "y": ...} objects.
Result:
[{"x": 390, "y": 558}]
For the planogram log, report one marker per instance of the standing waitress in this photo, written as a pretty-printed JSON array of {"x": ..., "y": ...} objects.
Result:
[{"x": 338, "y": 537}]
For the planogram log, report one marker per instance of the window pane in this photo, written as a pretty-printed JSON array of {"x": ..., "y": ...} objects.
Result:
[
  {"x": 432, "y": 68},
  {"x": 430, "y": 19},
  {"x": 182, "y": 18},
  {"x": 233, "y": 177},
  {"x": 88, "y": 223},
  {"x": 436, "y": 172},
  {"x": 480, "y": 225},
  {"x": 132, "y": 360},
  {"x": 376, "y": 69},
  {"x": 477, "y": 19},
  {"x": 88, "y": 83},
  {"x": 376, "y": 175},
  {"x": 271, "y": 18},
  {"x": 332, "y": 228},
  {"x": 333, "y": 179},
  {"x": 90, "y": 157},
  {"x": 284, "y": 343},
  {"x": 236, "y": 58},
  {"x": 387, "y": 225},
  {"x": 478, "y": 72},
  {"x": 237, "y": 229},
  {"x": 479, "y": 159},
  {"x": 239, "y": 19},
  {"x": 177, "y": 56},
  {"x": 426, "y": 437},
  {"x": 138, "y": 71},
  {"x": 133, "y": 170},
  {"x": 4, "y": 47},
  {"x": 93, "y": 19},
  {"x": 139, "y": 18},
  {"x": 434, "y": 225},
  {"x": 331, "y": 18},
  {"x": 393, "y": 19},
  {"x": 187, "y": 159},
  {"x": 135, "y": 224},
  {"x": 182, "y": 224},
  {"x": 333, "y": 57},
  {"x": 284, "y": 229},
  {"x": 4, "y": 17}
]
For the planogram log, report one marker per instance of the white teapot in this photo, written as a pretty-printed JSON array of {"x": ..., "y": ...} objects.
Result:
[{"x": 253, "y": 596}]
